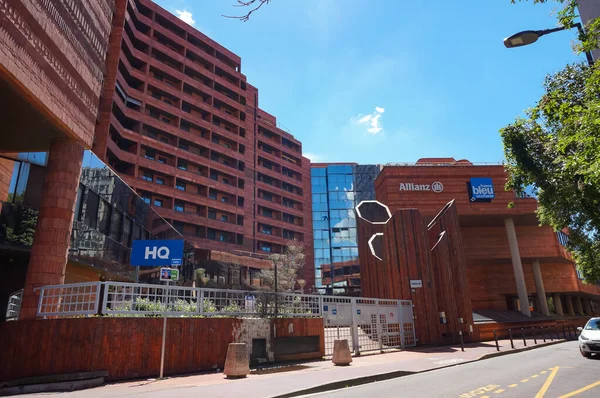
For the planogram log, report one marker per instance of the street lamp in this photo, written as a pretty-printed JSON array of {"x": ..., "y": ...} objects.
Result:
[{"x": 527, "y": 37}]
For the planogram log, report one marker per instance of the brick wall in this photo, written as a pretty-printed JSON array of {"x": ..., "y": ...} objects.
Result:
[
  {"x": 128, "y": 347},
  {"x": 54, "y": 54}
]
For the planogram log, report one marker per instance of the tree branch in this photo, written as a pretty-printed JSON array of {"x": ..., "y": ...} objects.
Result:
[{"x": 248, "y": 3}]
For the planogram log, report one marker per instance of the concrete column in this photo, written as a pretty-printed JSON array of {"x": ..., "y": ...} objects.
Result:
[
  {"x": 48, "y": 259},
  {"x": 570, "y": 309},
  {"x": 558, "y": 304},
  {"x": 587, "y": 306},
  {"x": 579, "y": 302},
  {"x": 517, "y": 266},
  {"x": 539, "y": 288}
]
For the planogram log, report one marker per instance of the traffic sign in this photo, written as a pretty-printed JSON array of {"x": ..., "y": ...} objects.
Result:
[{"x": 169, "y": 274}]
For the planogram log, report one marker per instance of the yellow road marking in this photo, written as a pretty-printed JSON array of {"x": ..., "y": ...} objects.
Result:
[
  {"x": 544, "y": 371},
  {"x": 546, "y": 385},
  {"x": 534, "y": 376},
  {"x": 588, "y": 387},
  {"x": 512, "y": 385},
  {"x": 524, "y": 380},
  {"x": 498, "y": 391},
  {"x": 550, "y": 368}
]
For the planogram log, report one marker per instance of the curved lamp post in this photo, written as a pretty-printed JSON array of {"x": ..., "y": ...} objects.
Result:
[{"x": 527, "y": 37}]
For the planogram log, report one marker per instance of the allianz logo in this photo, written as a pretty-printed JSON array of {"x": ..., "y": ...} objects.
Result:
[{"x": 436, "y": 187}]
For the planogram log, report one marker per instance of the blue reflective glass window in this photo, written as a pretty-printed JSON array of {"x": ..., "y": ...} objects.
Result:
[
  {"x": 318, "y": 171},
  {"x": 339, "y": 169}
]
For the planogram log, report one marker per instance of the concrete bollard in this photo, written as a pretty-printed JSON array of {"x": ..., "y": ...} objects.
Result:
[
  {"x": 341, "y": 353},
  {"x": 237, "y": 363}
]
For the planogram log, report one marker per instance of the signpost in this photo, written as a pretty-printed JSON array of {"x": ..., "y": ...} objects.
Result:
[{"x": 156, "y": 253}]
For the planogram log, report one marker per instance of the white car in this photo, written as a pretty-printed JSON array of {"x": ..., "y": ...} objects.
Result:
[{"x": 589, "y": 338}]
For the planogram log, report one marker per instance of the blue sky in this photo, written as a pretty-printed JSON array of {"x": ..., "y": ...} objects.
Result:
[{"x": 377, "y": 81}]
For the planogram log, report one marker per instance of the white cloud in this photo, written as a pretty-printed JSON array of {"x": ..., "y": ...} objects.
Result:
[
  {"x": 372, "y": 121},
  {"x": 185, "y": 16}
]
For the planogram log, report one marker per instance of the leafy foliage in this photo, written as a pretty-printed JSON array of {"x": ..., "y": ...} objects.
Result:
[
  {"x": 24, "y": 228},
  {"x": 556, "y": 148}
]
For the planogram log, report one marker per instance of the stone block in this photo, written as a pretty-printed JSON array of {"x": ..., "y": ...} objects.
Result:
[
  {"x": 341, "y": 353},
  {"x": 237, "y": 363}
]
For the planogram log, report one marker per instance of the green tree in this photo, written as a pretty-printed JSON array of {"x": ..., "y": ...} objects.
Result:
[{"x": 556, "y": 149}]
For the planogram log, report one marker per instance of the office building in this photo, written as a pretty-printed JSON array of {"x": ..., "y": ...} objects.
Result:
[
  {"x": 181, "y": 125},
  {"x": 512, "y": 263},
  {"x": 171, "y": 115},
  {"x": 336, "y": 190}
]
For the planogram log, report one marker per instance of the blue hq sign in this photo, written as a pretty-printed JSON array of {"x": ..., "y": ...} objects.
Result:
[
  {"x": 152, "y": 253},
  {"x": 481, "y": 190}
]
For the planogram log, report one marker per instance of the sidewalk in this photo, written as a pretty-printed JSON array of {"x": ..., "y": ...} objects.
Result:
[{"x": 310, "y": 377}]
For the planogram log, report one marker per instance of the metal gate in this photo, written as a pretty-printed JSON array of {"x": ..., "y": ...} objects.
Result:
[{"x": 368, "y": 324}]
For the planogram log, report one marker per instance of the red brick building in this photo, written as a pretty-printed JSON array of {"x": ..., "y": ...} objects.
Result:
[
  {"x": 52, "y": 57},
  {"x": 181, "y": 125},
  {"x": 510, "y": 259}
]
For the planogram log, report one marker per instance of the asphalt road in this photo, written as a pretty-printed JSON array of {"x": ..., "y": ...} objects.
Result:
[{"x": 551, "y": 372}]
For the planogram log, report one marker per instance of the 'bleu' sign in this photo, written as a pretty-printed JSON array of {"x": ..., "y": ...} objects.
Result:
[
  {"x": 481, "y": 189},
  {"x": 152, "y": 253}
]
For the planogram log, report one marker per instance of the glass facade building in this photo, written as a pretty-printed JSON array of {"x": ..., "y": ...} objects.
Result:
[
  {"x": 109, "y": 216},
  {"x": 336, "y": 190}
]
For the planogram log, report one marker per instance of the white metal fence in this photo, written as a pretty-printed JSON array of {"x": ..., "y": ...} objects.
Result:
[
  {"x": 131, "y": 299},
  {"x": 368, "y": 324},
  {"x": 14, "y": 305},
  {"x": 69, "y": 300}
]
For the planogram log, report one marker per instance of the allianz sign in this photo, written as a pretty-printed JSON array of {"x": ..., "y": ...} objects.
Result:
[{"x": 436, "y": 187}]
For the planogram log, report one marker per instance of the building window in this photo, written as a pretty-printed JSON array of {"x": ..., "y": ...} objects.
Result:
[
  {"x": 267, "y": 212},
  {"x": 182, "y": 165},
  {"x": 212, "y": 195},
  {"x": 179, "y": 207},
  {"x": 265, "y": 247},
  {"x": 212, "y": 214},
  {"x": 267, "y": 196},
  {"x": 180, "y": 185},
  {"x": 91, "y": 209},
  {"x": 150, "y": 154},
  {"x": 225, "y": 180},
  {"x": 183, "y": 146},
  {"x": 288, "y": 203},
  {"x": 265, "y": 229},
  {"x": 160, "y": 181},
  {"x": 224, "y": 218},
  {"x": 224, "y": 199},
  {"x": 222, "y": 238},
  {"x": 146, "y": 199},
  {"x": 158, "y": 202},
  {"x": 147, "y": 177},
  {"x": 162, "y": 160}
]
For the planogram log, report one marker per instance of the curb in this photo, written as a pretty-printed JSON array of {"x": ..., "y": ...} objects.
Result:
[{"x": 401, "y": 373}]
